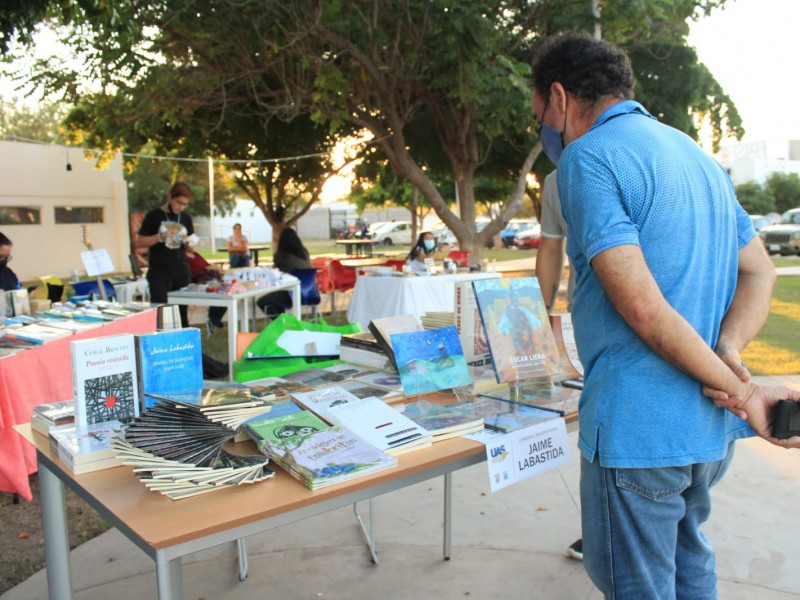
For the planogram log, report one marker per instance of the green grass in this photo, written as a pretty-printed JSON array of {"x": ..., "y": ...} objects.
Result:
[{"x": 776, "y": 349}]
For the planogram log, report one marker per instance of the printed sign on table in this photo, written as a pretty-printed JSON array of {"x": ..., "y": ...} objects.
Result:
[{"x": 524, "y": 453}]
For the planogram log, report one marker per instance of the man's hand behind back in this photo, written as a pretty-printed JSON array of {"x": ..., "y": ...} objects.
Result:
[{"x": 757, "y": 407}]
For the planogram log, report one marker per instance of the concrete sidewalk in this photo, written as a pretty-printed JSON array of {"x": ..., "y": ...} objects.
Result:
[{"x": 509, "y": 544}]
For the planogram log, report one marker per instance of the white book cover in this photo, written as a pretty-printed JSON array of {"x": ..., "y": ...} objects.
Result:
[
  {"x": 470, "y": 327},
  {"x": 104, "y": 380},
  {"x": 370, "y": 418}
]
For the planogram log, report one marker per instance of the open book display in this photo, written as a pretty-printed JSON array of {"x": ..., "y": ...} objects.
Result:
[{"x": 178, "y": 452}]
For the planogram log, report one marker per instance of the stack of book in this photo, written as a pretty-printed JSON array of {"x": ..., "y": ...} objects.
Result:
[
  {"x": 177, "y": 480},
  {"x": 46, "y": 417},
  {"x": 84, "y": 451},
  {"x": 229, "y": 406},
  {"x": 179, "y": 453},
  {"x": 436, "y": 319},
  {"x": 316, "y": 454},
  {"x": 363, "y": 349}
]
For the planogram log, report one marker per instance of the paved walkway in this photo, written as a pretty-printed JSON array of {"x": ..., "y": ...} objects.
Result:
[{"x": 509, "y": 544}]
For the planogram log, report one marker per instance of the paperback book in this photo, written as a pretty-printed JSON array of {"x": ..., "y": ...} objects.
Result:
[
  {"x": 335, "y": 455},
  {"x": 387, "y": 381},
  {"x": 316, "y": 454},
  {"x": 172, "y": 432},
  {"x": 104, "y": 382},
  {"x": 517, "y": 328},
  {"x": 170, "y": 362},
  {"x": 178, "y": 480},
  {"x": 371, "y": 359},
  {"x": 313, "y": 376},
  {"x": 442, "y": 420},
  {"x": 430, "y": 360},
  {"x": 470, "y": 330},
  {"x": 385, "y": 327},
  {"x": 370, "y": 418},
  {"x": 557, "y": 396},
  {"x": 274, "y": 434},
  {"x": 273, "y": 387},
  {"x": 54, "y": 415},
  {"x": 85, "y": 451},
  {"x": 504, "y": 416}
]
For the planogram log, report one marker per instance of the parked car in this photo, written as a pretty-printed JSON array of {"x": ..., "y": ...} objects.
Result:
[
  {"x": 762, "y": 221},
  {"x": 393, "y": 233},
  {"x": 514, "y": 227},
  {"x": 443, "y": 235},
  {"x": 784, "y": 237},
  {"x": 529, "y": 238}
]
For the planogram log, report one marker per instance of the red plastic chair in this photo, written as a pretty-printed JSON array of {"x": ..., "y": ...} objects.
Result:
[
  {"x": 343, "y": 279},
  {"x": 460, "y": 257},
  {"x": 397, "y": 265}
]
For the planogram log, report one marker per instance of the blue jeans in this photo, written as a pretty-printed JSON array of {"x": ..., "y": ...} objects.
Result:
[
  {"x": 239, "y": 260},
  {"x": 641, "y": 530}
]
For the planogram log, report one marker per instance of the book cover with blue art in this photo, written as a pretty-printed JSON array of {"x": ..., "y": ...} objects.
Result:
[
  {"x": 170, "y": 362},
  {"x": 430, "y": 360},
  {"x": 517, "y": 328}
]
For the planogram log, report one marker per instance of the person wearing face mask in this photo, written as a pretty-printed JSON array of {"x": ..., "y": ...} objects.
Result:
[
  {"x": 164, "y": 231},
  {"x": 659, "y": 322},
  {"x": 424, "y": 248},
  {"x": 8, "y": 279}
]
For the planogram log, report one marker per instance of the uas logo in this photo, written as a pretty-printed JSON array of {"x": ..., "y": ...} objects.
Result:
[{"x": 498, "y": 454}]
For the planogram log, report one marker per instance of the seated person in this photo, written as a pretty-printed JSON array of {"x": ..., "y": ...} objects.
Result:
[
  {"x": 238, "y": 251},
  {"x": 291, "y": 254},
  {"x": 8, "y": 279},
  {"x": 203, "y": 272},
  {"x": 424, "y": 248}
]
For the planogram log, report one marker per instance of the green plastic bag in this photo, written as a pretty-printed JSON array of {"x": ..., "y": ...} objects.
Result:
[{"x": 266, "y": 345}]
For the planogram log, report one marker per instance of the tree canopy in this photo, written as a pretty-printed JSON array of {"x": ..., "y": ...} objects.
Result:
[{"x": 441, "y": 85}]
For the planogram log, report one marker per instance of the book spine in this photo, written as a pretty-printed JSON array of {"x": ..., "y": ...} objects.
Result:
[{"x": 80, "y": 402}]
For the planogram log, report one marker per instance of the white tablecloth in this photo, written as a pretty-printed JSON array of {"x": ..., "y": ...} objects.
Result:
[{"x": 375, "y": 296}]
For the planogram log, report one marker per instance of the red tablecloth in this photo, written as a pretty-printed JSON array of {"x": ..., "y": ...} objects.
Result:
[{"x": 37, "y": 376}]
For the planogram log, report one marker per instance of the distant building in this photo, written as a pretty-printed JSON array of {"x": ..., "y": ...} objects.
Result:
[
  {"x": 756, "y": 161},
  {"x": 47, "y": 194}
]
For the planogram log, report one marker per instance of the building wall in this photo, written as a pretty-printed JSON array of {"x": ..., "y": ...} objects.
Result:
[
  {"x": 756, "y": 161},
  {"x": 36, "y": 175}
]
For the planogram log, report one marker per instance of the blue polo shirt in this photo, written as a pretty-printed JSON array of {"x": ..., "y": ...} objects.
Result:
[{"x": 633, "y": 180}]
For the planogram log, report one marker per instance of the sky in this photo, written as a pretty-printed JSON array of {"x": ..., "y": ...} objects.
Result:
[{"x": 751, "y": 49}]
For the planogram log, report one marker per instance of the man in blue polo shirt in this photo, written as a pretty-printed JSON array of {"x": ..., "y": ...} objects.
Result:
[{"x": 671, "y": 284}]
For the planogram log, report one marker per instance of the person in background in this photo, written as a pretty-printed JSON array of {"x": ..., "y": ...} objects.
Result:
[
  {"x": 8, "y": 279},
  {"x": 550, "y": 256},
  {"x": 291, "y": 254},
  {"x": 659, "y": 323},
  {"x": 549, "y": 269},
  {"x": 238, "y": 251},
  {"x": 424, "y": 248},
  {"x": 203, "y": 272},
  {"x": 164, "y": 231}
]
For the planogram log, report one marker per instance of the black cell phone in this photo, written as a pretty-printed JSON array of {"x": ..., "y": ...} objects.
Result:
[{"x": 787, "y": 419}]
